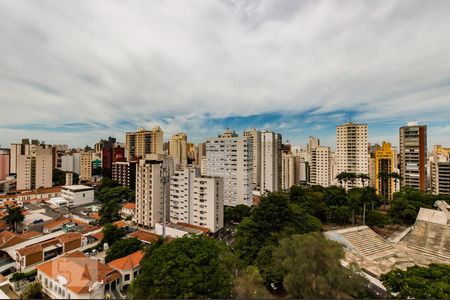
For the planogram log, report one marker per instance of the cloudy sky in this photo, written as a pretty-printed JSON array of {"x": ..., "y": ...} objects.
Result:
[{"x": 76, "y": 71}]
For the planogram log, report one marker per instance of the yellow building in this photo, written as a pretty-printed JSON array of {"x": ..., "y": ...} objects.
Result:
[
  {"x": 385, "y": 163},
  {"x": 143, "y": 142},
  {"x": 85, "y": 166}
]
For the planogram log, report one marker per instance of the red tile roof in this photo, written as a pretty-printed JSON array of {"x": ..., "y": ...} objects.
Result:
[
  {"x": 202, "y": 229},
  {"x": 145, "y": 236},
  {"x": 129, "y": 205},
  {"x": 128, "y": 262}
]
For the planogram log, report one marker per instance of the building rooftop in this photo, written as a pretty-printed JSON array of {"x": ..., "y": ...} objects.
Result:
[
  {"x": 144, "y": 236},
  {"x": 128, "y": 262},
  {"x": 78, "y": 272},
  {"x": 129, "y": 205},
  {"x": 78, "y": 187}
]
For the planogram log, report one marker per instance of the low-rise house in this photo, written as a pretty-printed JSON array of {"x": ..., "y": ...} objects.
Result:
[
  {"x": 128, "y": 210},
  {"x": 78, "y": 195},
  {"x": 129, "y": 267},
  {"x": 75, "y": 276},
  {"x": 145, "y": 236},
  {"x": 39, "y": 194},
  {"x": 55, "y": 225}
]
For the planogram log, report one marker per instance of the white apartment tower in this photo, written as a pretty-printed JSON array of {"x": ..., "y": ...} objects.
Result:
[
  {"x": 196, "y": 200},
  {"x": 270, "y": 161},
  {"x": 256, "y": 137},
  {"x": 230, "y": 157},
  {"x": 352, "y": 149}
]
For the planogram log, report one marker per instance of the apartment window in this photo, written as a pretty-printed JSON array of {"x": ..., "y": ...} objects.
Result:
[{"x": 127, "y": 277}]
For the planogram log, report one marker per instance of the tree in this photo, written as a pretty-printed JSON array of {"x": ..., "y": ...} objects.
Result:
[
  {"x": 59, "y": 177},
  {"x": 33, "y": 291},
  {"x": 376, "y": 218},
  {"x": 108, "y": 183},
  {"x": 117, "y": 193},
  {"x": 109, "y": 212},
  {"x": 363, "y": 178},
  {"x": 432, "y": 282},
  {"x": 112, "y": 233},
  {"x": 13, "y": 216},
  {"x": 312, "y": 269},
  {"x": 237, "y": 213},
  {"x": 250, "y": 285},
  {"x": 97, "y": 171},
  {"x": 194, "y": 266},
  {"x": 122, "y": 248}
]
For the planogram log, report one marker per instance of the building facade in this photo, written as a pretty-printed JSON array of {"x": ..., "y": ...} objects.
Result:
[
  {"x": 320, "y": 166},
  {"x": 270, "y": 161},
  {"x": 290, "y": 171},
  {"x": 231, "y": 157},
  {"x": 142, "y": 142},
  {"x": 178, "y": 148},
  {"x": 255, "y": 135},
  {"x": 352, "y": 150},
  {"x": 4, "y": 164},
  {"x": 85, "y": 166},
  {"x": 125, "y": 173},
  {"x": 385, "y": 164},
  {"x": 440, "y": 170},
  {"x": 413, "y": 156}
]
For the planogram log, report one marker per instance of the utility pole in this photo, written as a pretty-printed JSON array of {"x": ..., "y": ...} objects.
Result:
[{"x": 164, "y": 174}]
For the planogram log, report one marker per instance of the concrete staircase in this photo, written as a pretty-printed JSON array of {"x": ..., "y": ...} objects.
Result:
[{"x": 367, "y": 242}]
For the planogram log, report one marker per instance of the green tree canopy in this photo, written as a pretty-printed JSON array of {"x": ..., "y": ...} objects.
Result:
[
  {"x": 237, "y": 213},
  {"x": 376, "y": 218},
  {"x": 33, "y": 291},
  {"x": 122, "y": 248},
  {"x": 432, "y": 282},
  {"x": 59, "y": 177},
  {"x": 112, "y": 233},
  {"x": 311, "y": 267},
  {"x": 108, "y": 183},
  {"x": 117, "y": 194},
  {"x": 14, "y": 215},
  {"x": 188, "y": 267},
  {"x": 109, "y": 212},
  {"x": 250, "y": 285}
]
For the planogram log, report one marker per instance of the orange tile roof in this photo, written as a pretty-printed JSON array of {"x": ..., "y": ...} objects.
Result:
[
  {"x": 129, "y": 205},
  {"x": 36, "y": 248},
  {"x": 30, "y": 234},
  {"x": 56, "y": 223},
  {"x": 21, "y": 193},
  {"x": 202, "y": 229},
  {"x": 98, "y": 235},
  {"x": 8, "y": 239},
  {"x": 128, "y": 262},
  {"x": 79, "y": 271},
  {"x": 94, "y": 216},
  {"x": 68, "y": 237},
  {"x": 120, "y": 224},
  {"x": 145, "y": 236}
]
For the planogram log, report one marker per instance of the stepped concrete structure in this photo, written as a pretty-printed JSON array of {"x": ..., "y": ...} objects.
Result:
[{"x": 431, "y": 232}]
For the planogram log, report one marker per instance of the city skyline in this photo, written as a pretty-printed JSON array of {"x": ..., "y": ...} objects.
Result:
[{"x": 73, "y": 73}]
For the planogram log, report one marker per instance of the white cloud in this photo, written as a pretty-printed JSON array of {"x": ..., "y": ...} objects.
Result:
[{"x": 107, "y": 61}]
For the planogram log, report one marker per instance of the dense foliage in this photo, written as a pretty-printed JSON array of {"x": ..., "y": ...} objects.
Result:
[
  {"x": 112, "y": 233},
  {"x": 432, "y": 282},
  {"x": 311, "y": 268},
  {"x": 59, "y": 177},
  {"x": 122, "y": 248},
  {"x": 109, "y": 212},
  {"x": 236, "y": 214},
  {"x": 14, "y": 215},
  {"x": 33, "y": 291},
  {"x": 188, "y": 267}
]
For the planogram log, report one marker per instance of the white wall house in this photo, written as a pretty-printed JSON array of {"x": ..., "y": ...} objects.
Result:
[{"x": 77, "y": 195}]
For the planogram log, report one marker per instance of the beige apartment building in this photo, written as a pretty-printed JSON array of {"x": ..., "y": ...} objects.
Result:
[
  {"x": 256, "y": 138},
  {"x": 178, "y": 148},
  {"x": 440, "y": 170},
  {"x": 320, "y": 166},
  {"x": 33, "y": 165},
  {"x": 290, "y": 171},
  {"x": 270, "y": 161},
  {"x": 143, "y": 142},
  {"x": 352, "y": 150},
  {"x": 85, "y": 166}
]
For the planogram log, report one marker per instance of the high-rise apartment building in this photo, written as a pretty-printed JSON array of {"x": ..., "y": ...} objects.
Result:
[
  {"x": 255, "y": 135},
  {"x": 178, "y": 148},
  {"x": 372, "y": 172},
  {"x": 192, "y": 154},
  {"x": 33, "y": 165},
  {"x": 385, "y": 164},
  {"x": 4, "y": 163},
  {"x": 230, "y": 157},
  {"x": 196, "y": 200},
  {"x": 413, "y": 156},
  {"x": 290, "y": 171},
  {"x": 143, "y": 142},
  {"x": 270, "y": 161},
  {"x": 125, "y": 173},
  {"x": 440, "y": 170},
  {"x": 149, "y": 191},
  {"x": 320, "y": 166},
  {"x": 352, "y": 150},
  {"x": 85, "y": 166}
]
